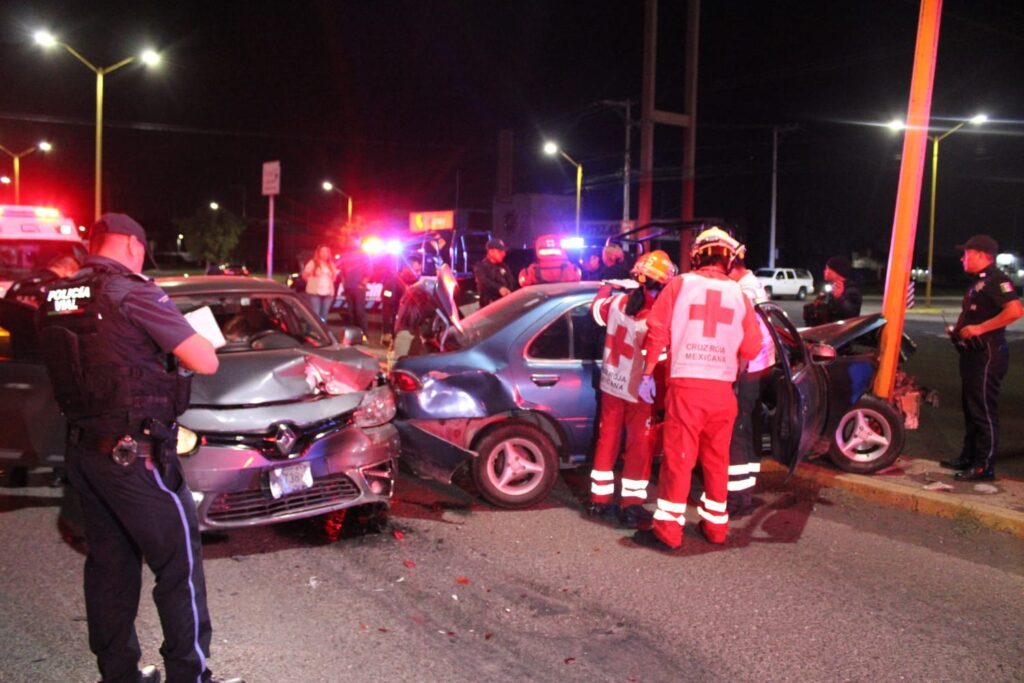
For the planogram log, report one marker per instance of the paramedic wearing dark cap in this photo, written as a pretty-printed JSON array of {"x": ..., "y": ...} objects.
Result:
[
  {"x": 114, "y": 343},
  {"x": 980, "y": 336},
  {"x": 493, "y": 277},
  {"x": 839, "y": 300}
]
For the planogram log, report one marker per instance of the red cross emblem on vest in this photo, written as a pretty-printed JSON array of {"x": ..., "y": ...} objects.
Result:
[
  {"x": 711, "y": 312},
  {"x": 617, "y": 347}
]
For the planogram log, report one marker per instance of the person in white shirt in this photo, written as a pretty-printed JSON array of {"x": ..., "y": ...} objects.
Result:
[{"x": 320, "y": 275}]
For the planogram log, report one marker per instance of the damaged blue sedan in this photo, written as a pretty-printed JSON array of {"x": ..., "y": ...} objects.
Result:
[{"x": 514, "y": 395}]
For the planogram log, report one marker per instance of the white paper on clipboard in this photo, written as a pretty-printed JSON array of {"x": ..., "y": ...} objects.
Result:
[{"x": 203, "y": 323}]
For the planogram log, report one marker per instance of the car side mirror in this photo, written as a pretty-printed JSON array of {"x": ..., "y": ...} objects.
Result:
[
  {"x": 350, "y": 335},
  {"x": 822, "y": 353}
]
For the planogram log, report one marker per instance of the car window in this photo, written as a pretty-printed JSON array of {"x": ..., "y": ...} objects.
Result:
[
  {"x": 764, "y": 272},
  {"x": 780, "y": 275},
  {"x": 553, "y": 343},
  {"x": 573, "y": 336},
  {"x": 587, "y": 335},
  {"x": 803, "y": 274},
  {"x": 20, "y": 257},
  {"x": 789, "y": 275},
  {"x": 244, "y": 318}
]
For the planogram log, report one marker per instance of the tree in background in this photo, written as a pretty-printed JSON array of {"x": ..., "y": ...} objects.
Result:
[{"x": 211, "y": 235}]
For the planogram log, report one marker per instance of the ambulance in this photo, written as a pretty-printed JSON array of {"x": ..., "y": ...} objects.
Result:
[{"x": 31, "y": 237}]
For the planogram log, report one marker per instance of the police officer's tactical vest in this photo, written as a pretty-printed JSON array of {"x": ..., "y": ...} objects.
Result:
[{"x": 98, "y": 388}]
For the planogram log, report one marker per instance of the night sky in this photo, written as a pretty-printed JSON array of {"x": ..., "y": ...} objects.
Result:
[{"x": 400, "y": 103}]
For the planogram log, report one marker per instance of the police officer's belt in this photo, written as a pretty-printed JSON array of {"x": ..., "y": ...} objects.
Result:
[{"x": 103, "y": 445}]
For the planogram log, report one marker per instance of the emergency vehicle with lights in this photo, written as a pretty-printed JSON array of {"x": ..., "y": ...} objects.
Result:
[{"x": 30, "y": 237}]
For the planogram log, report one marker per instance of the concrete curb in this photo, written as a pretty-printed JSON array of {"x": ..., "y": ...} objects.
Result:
[{"x": 938, "y": 504}]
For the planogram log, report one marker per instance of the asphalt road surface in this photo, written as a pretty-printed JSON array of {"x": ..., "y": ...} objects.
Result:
[{"x": 815, "y": 586}]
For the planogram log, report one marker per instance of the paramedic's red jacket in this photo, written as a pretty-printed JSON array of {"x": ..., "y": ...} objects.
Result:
[{"x": 659, "y": 329}]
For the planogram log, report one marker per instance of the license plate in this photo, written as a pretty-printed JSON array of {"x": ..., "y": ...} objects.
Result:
[{"x": 285, "y": 480}]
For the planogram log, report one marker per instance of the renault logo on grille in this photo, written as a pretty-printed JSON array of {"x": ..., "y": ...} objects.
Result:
[{"x": 284, "y": 439}]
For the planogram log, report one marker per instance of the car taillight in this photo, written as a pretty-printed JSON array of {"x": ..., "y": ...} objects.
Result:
[{"x": 404, "y": 381}]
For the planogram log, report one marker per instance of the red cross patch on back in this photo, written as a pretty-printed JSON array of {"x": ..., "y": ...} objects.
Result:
[{"x": 712, "y": 313}]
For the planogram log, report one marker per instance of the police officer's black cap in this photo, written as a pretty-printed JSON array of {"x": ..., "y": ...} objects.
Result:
[
  {"x": 980, "y": 243},
  {"x": 118, "y": 224},
  {"x": 496, "y": 244},
  {"x": 840, "y": 265}
]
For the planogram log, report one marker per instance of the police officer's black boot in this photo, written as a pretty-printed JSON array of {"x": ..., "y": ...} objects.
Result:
[
  {"x": 960, "y": 463},
  {"x": 150, "y": 674},
  {"x": 975, "y": 474}
]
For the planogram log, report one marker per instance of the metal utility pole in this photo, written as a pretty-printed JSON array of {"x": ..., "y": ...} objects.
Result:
[
  {"x": 775, "y": 194},
  {"x": 772, "y": 249},
  {"x": 908, "y": 196},
  {"x": 649, "y": 115},
  {"x": 627, "y": 108}
]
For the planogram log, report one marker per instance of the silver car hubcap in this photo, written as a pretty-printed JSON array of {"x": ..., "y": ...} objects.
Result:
[
  {"x": 863, "y": 435},
  {"x": 515, "y": 467}
]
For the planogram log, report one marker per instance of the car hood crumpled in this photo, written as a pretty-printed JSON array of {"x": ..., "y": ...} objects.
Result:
[
  {"x": 842, "y": 332},
  {"x": 283, "y": 375}
]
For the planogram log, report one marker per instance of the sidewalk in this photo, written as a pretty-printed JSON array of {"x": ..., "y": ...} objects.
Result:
[{"x": 909, "y": 485}]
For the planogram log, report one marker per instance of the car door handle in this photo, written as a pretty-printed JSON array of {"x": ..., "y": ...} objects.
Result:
[{"x": 545, "y": 380}]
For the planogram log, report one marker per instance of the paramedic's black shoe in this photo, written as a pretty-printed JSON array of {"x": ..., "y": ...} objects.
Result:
[
  {"x": 636, "y": 517},
  {"x": 648, "y": 539},
  {"x": 150, "y": 674},
  {"x": 602, "y": 510},
  {"x": 975, "y": 474}
]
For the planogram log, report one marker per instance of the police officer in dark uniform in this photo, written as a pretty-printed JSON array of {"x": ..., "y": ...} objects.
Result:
[
  {"x": 118, "y": 354},
  {"x": 30, "y": 289},
  {"x": 980, "y": 337},
  {"x": 493, "y": 277}
]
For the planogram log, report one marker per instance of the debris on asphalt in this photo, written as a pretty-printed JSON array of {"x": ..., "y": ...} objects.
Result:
[
  {"x": 463, "y": 580},
  {"x": 409, "y": 563},
  {"x": 937, "y": 486},
  {"x": 399, "y": 535},
  {"x": 986, "y": 488}
]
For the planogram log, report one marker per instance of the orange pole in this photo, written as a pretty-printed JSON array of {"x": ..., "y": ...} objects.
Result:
[{"x": 908, "y": 196}]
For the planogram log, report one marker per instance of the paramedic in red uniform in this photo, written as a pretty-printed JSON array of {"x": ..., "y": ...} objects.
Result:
[
  {"x": 552, "y": 265},
  {"x": 709, "y": 325},
  {"x": 624, "y": 313}
]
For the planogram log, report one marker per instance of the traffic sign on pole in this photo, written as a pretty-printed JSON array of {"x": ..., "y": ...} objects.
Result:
[{"x": 271, "y": 188}]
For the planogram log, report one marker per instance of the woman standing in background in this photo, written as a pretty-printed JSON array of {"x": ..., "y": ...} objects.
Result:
[{"x": 320, "y": 275}]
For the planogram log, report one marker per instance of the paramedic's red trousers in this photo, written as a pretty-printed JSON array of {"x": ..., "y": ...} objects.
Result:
[
  {"x": 699, "y": 416},
  {"x": 636, "y": 468}
]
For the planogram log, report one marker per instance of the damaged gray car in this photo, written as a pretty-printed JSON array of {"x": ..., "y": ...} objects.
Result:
[{"x": 293, "y": 424}]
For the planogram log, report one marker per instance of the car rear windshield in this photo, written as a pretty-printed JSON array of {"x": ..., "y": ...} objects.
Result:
[
  {"x": 495, "y": 316},
  {"x": 277, "y": 321},
  {"x": 20, "y": 257}
]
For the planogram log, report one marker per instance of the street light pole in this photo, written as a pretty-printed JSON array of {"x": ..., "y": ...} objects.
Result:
[
  {"x": 16, "y": 156},
  {"x": 936, "y": 139},
  {"x": 551, "y": 149},
  {"x": 148, "y": 57},
  {"x": 329, "y": 187}
]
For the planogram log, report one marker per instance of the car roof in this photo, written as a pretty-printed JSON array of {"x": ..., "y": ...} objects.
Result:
[{"x": 220, "y": 284}]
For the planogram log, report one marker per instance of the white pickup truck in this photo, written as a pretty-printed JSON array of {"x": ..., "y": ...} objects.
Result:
[{"x": 779, "y": 282}]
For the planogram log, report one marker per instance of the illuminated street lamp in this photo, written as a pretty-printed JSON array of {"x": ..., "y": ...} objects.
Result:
[
  {"x": 897, "y": 125},
  {"x": 180, "y": 238},
  {"x": 551, "y": 149},
  {"x": 148, "y": 57},
  {"x": 43, "y": 146},
  {"x": 328, "y": 186},
  {"x": 214, "y": 206}
]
